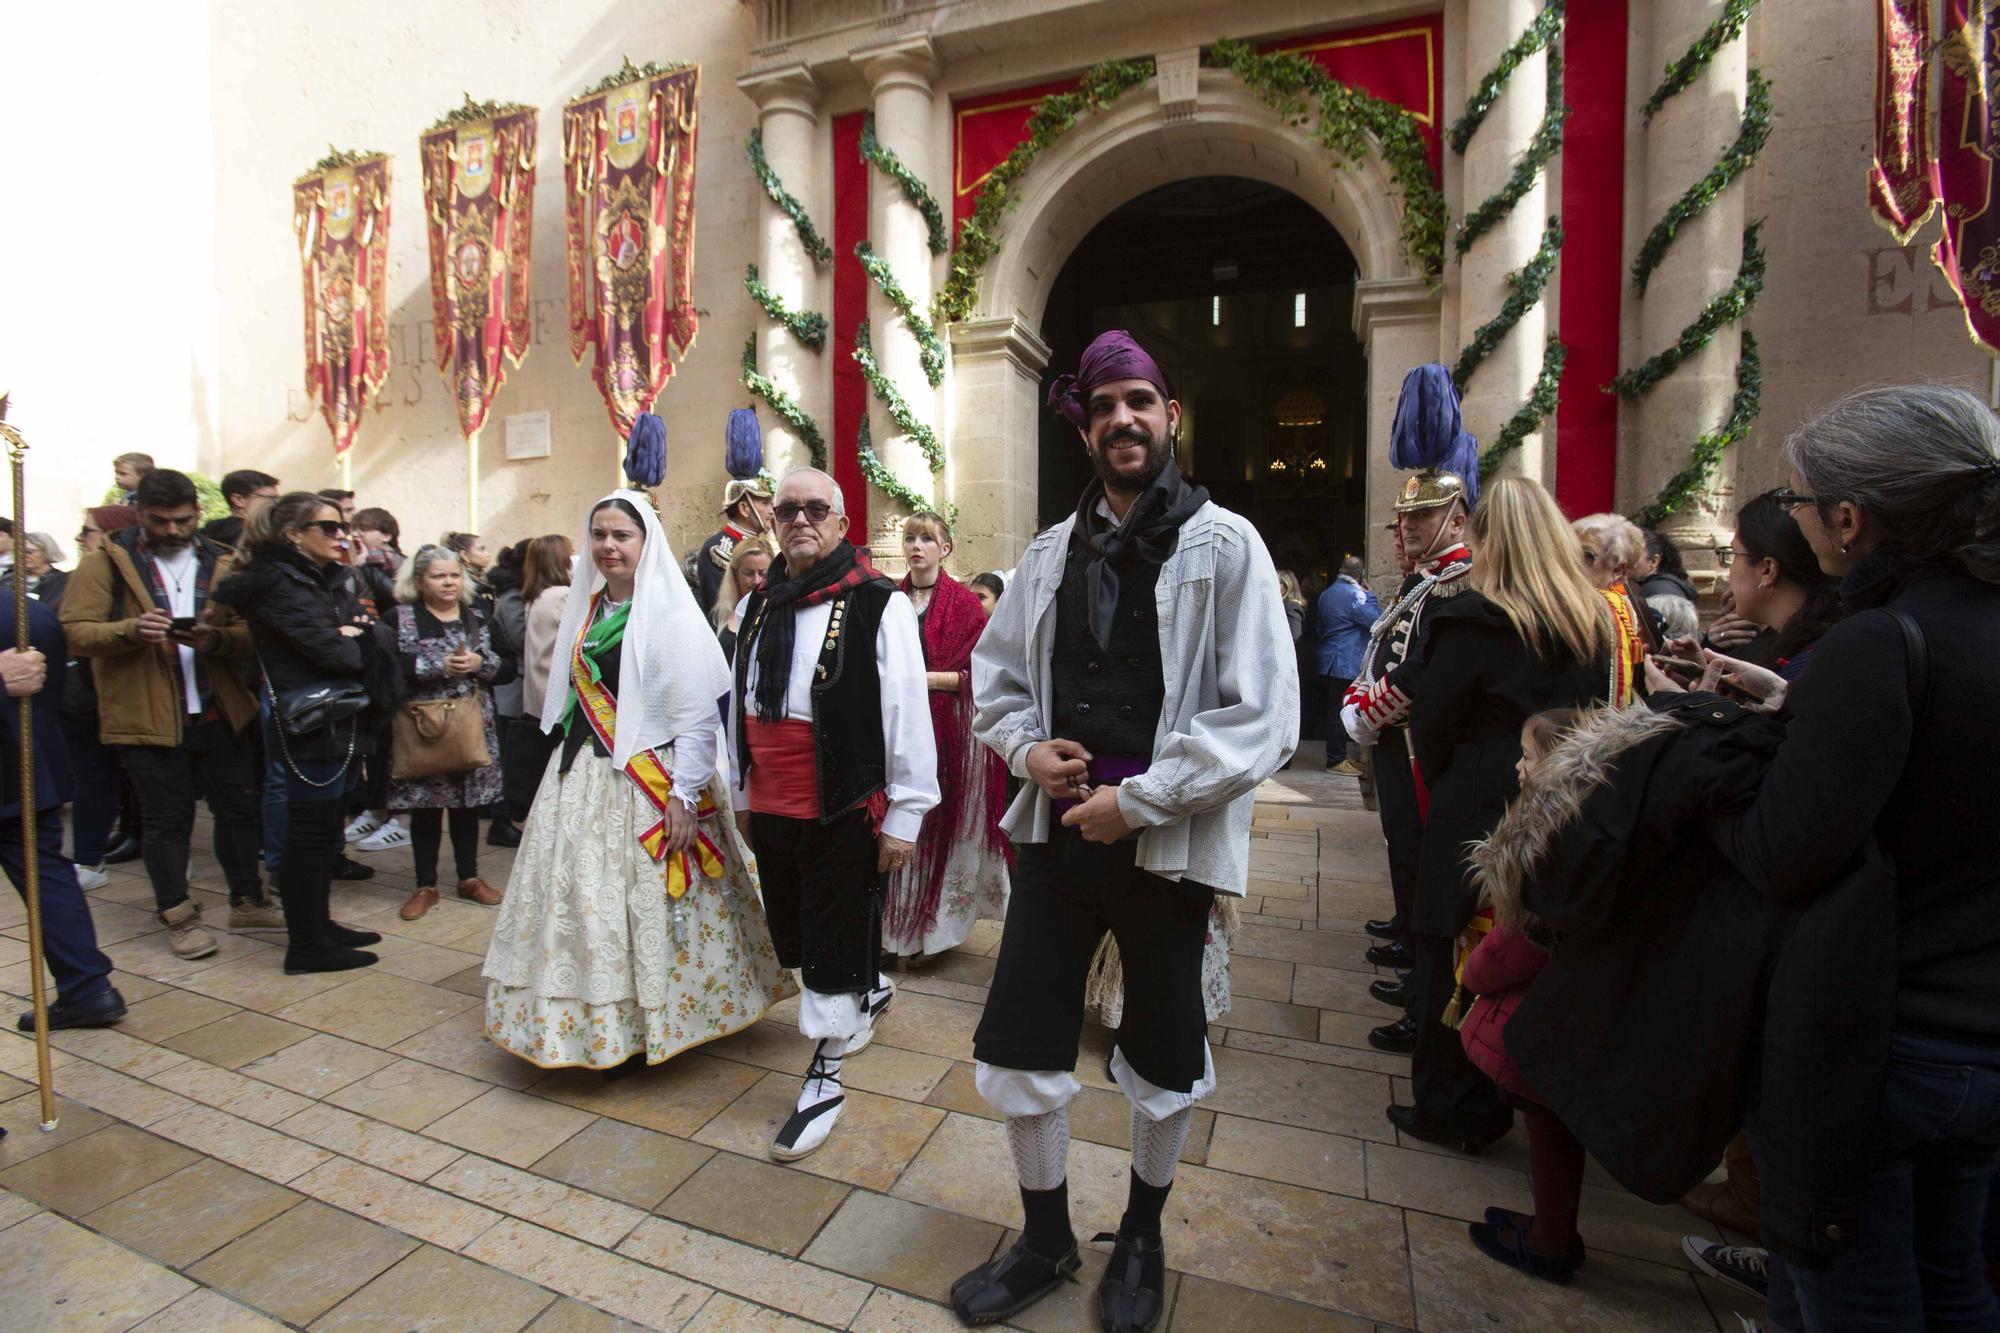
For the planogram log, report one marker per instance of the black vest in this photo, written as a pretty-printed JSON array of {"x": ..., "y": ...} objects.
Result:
[
  {"x": 1108, "y": 697},
  {"x": 846, "y": 699}
]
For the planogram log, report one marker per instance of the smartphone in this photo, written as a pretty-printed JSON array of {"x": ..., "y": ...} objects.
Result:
[
  {"x": 183, "y": 625},
  {"x": 1680, "y": 669}
]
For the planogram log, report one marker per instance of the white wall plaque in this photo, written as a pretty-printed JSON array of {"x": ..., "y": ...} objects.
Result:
[{"x": 528, "y": 435}]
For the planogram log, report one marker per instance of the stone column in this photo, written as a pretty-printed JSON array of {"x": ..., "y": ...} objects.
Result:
[
  {"x": 788, "y": 102},
  {"x": 1451, "y": 101},
  {"x": 1397, "y": 322},
  {"x": 900, "y": 78},
  {"x": 1504, "y": 379},
  {"x": 996, "y": 378},
  {"x": 1686, "y": 137}
]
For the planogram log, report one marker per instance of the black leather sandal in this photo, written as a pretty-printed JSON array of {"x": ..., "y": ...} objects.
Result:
[
  {"x": 1003, "y": 1287},
  {"x": 1132, "y": 1294}
]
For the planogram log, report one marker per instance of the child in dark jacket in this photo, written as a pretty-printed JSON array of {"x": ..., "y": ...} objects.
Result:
[{"x": 1499, "y": 970}]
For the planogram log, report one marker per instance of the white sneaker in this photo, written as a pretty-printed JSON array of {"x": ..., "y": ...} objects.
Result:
[
  {"x": 361, "y": 826},
  {"x": 391, "y": 834},
  {"x": 92, "y": 878}
]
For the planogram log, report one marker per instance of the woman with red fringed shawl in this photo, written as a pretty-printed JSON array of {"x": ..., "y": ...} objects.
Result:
[{"x": 959, "y": 873}]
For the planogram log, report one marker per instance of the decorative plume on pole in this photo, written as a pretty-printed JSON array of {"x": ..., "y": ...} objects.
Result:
[
  {"x": 646, "y": 452},
  {"x": 1429, "y": 433},
  {"x": 743, "y": 444},
  {"x": 31, "y": 880}
]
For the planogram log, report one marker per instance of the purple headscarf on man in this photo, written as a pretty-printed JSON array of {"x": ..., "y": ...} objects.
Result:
[{"x": 1112, "y": 355}]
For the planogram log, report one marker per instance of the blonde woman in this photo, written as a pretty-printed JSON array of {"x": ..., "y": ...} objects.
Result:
[
  {"x": 749, "y": 562},
  {"x": 1613, "y": 547},
  {"x": 1532, "y": 633}
]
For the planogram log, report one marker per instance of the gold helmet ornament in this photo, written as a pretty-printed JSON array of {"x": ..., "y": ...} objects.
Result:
[{"x": 1430, "y": 489}]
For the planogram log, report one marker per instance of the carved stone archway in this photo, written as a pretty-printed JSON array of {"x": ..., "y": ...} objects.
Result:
[{"x": 1104, "y": 162}]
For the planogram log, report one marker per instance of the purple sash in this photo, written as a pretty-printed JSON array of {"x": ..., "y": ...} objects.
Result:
[{"x": 1105, "y": 770}]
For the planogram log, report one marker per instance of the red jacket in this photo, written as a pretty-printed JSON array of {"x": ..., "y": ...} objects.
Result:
[{"x": 1499, "y": 971}]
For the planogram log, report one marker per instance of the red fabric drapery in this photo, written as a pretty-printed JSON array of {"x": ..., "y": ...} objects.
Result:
[
  {"x": 628, "y": 176},
  {"x": 1968, "y": 253},
  {"x": 1902, "y": 179},
  {"x": 341, "y": 217},
  {"x": 850, "y": 307},
  {"x": 479, "y": 193}
]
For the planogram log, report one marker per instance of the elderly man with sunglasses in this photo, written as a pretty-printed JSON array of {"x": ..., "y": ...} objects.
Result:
[
  {"x": 835, "y": 766},
  {"x": 171, "y": 698}
]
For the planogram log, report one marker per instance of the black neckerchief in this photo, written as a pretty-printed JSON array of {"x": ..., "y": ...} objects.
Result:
[
  {"x": 1151, "y": 528},
  {"x": 838, "y": 571}
]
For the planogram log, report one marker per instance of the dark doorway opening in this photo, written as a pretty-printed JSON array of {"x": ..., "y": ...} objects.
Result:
[{"x": 1244, "y": 294}]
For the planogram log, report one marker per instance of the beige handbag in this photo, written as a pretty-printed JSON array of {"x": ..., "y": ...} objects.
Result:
[{"x": 434, "y": 737}]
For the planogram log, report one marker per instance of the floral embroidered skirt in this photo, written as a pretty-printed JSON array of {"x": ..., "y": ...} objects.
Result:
[
  {"x": 591, "y": 963},
  {"x": 1104, "y": 993},
  {"x": 975, "y": 886}
]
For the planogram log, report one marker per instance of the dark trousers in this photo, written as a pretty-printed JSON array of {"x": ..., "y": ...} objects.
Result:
[
  {"x": 1338, "y": 746},
  {"x": 1402, "y": 825},
  {"x": 223, "y": 766},
  {"x": 1916, "y": 1261},
  {"x": 523, "y": 761},
  {"x": 100, "y": 788},
  {"x": 1450, "y": 1090},
  {"x": 305, "y": 871},
  {"x": 69, "y": 937},
  {"x": 427, "y": 835},
  {"x": 823, "y": 898}
]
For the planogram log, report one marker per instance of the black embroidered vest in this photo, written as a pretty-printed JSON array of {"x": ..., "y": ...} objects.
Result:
[
  {"x": 1108, "y": 697},
  {"x": 846, "y": 699}
]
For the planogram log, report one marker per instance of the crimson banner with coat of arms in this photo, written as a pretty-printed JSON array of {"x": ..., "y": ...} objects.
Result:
[
  {"x": 340, "y": 212},
  {"x": 479, "y": 196},
  {"x": 628, "y": 175},
  {"x": 1902, "y": 179},
  {"x": 1968, "y": 253}
]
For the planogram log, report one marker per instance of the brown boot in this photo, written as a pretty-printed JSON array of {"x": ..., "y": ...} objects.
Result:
[
  {"x": 479, "y": 891},
  {"x": 420, "y": 902},
  {"x": 184, "y": 933},
  {"x": 1735, "y": 1202}
]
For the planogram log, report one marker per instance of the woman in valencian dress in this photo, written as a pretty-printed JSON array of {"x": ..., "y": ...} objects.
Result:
[{"x": 632, "y": 927}]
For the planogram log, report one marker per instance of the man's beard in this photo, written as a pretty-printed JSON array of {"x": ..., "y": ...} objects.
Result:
[{"x": 1157, "y": 458}]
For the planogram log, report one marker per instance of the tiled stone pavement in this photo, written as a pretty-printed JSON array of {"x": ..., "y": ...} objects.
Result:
[{"x": 348, "y": 1152}]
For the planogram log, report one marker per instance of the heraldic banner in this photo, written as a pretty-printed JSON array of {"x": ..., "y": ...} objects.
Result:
[
  {"x": 628, "y": 178},
  {"x": 340, "y": 211},
  {"x": 479, "y": 197},
  {"x": 1902, "y": 179},
  {"x": 1968, "y": 253}
]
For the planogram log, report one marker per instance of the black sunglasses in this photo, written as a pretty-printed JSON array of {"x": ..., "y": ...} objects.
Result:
[
  {"x": 332, "y": 527},
  {"x": 814, "y": 510}
]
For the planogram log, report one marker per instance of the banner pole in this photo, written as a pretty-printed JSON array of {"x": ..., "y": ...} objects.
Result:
[
  {"x": 17, "y": 449},
  {"x": 347, "y": 469},
  {"x": 472, "y": 482}
]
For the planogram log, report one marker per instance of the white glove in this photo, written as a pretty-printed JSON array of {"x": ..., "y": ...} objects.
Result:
[{"x": 1357, "y": 730}]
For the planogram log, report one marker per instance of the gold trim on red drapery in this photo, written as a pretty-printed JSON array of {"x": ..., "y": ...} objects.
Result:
[{"x": 1902, "y": 179}]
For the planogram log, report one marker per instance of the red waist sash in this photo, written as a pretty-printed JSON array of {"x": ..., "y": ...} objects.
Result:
[{"x": 784, "y": 771}]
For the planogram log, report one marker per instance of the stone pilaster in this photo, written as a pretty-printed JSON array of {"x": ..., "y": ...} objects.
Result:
[
  {"x": 901, "y": 80},
  {"x": 996, "y": 381},
  {"x": 1396, "y": 320},
  {"x": 788, "y": 102}
]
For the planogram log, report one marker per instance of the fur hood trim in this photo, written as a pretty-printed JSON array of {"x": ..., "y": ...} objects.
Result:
[{"x": 1505, "y": 860}]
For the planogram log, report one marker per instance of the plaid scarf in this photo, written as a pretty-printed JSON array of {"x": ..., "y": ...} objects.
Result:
[
  {"x": 836, "y": 574},
  {"x": 205, "y": 556}
]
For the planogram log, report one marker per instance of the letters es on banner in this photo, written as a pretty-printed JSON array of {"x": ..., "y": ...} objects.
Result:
[
  {"x": 628, "y": 193},
  {"x": 340, "y": 213},
  {"x": 479, "y": 196}
]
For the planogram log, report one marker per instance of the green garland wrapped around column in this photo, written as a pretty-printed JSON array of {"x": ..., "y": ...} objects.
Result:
[
  {"x": 1733, "y": 304},
  {"x": 783, "y": 404},
  {"x": 807, "y": 326},
  {"x": 930, "y": 349},
  {"x": 1526, "y": 284},
  {"x": 919, "y": 195}
]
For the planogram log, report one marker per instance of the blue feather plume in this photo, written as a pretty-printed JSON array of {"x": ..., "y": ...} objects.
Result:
[
  {"x": 646, "y": 452},
  {"x": 743, "y": 454},
  {"x": 1429, "y": 431}
]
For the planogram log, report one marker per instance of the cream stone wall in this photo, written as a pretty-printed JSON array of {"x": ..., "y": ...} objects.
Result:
[{"x": 251, "y": 96}]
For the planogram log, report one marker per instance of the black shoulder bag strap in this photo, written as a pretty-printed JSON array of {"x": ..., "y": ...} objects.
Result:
[{"x": 1917, "y": 651}]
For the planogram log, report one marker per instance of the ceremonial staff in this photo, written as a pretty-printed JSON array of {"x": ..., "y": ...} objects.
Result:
[{"x": 17, "y": 449}]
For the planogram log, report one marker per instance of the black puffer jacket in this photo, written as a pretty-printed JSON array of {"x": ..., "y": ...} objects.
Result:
[{"x": 295, "y": 610}]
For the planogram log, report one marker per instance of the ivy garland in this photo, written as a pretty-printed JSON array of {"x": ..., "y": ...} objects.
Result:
[
  {"x": 930, "y": 349},
  {"x": 979, "y": 234},
  {"x": 1537, "y": 38},
  {"x": 782, "y": 403},
  {"x": 1289, "y": 83},
  {"x": 1528, "y": 283},
  {"x": 1727, "y": 27},
  {"x": 1541, "y": 402},
  {"x": 627, "y": 73},
  {"x": 880, "y": 477},
  {"x": 808, "y": 326},
  {"x": 344, "y": 157},
  {"x": 1547, "y": 141},
  {"x": 1691, "y": 480},
  {"x": 899, "y": 410},
  {"x": 913, "y": 189},
  {"x": 473, "y": 112},
  {"x": 1736, "y": 160},
  {"x": 1729, "y": 306},
  {"x": 809, "y": 236}
]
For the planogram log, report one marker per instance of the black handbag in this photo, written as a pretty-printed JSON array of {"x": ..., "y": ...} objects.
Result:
[{"x": 305, "y": 709}]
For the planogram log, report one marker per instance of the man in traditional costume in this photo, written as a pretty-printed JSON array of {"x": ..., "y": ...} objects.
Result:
[
  {"x": 1455, "y": 1103},
  {"x": 1139, "y": 675},
  {"x": 746, "y": 511},
  {"x": 835, "y": 769}
]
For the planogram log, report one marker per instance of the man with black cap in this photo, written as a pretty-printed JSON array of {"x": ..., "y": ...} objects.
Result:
[
  {"x": 1139, "y": 677},
  {"x": 746, "y": 511}
]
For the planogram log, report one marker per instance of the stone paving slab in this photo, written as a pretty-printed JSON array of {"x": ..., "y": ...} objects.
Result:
[{"x": 253, "y": 1151}]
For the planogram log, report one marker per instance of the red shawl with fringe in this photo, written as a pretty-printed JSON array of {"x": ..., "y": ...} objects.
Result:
[{"x": 952, "y": 624}]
